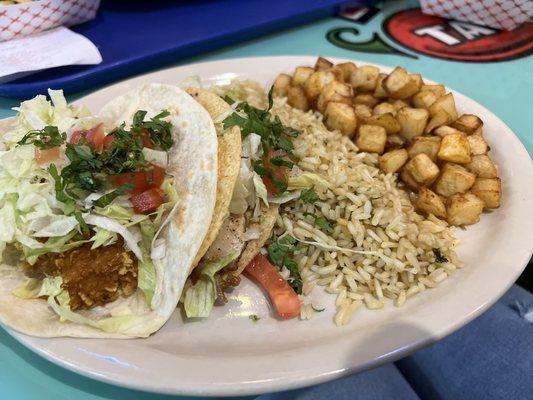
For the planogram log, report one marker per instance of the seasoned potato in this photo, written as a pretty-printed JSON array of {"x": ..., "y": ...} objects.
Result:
[
  {"x": 365, "y": 98},
  {"x": 424, "y": 99},
  {"x": 429, "y": 145},
  {"x": 467, "y": 123},
  {"x": 454, "y": 148},
  {"x": 380, "y": 91},
  {"x": 323, "y": 63},
  {"x": 482, "y": 166},
  {"x": 447, "y": 130},
  {"x": 454, "y": 179},
  {"x": 464, "y": 209},
  {"x": 395, "y": 141},
  {"x": 384, "y": 108},
  {"x": 392, "y": 161},
  {"x": 478, "y": 145},
  {"x": 439, "y": 119},
  {"x": 408, "y": 179},
  {"x": 371, "y": 138},
  {"x": 430, "y": 203},
  {"x": 489, "y": 190},
  {"x": 478, "y": 131},
  {"x": 438, "y": 90},
  {"x": 339, "y": 74},
  {"x": 335, "y": 91},
  {"x": 281, "y": 85},
  {"x": 362, "y": 111},
  {"x": 412, "y": 121},
  {"x": 347, "y": 68},
  {"x": 400, "y": 85},
  {"x": 316, "y": 83},
  {"x": 341, "y": 116},
  {"x": 301, "y": 75},
  {"x": 417, "y": 79},
  {"x": 399, "y": 104},
  {"x": 422, "y": 169},
  {"x": 386, "y": 121},
  {"x": 296, "y": 97},
  {"x": 365, "y": 78},
  {"x": 445, "y": 103}
]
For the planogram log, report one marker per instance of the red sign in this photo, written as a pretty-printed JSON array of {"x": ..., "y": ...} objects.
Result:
[{"x": 455, "y": 40}]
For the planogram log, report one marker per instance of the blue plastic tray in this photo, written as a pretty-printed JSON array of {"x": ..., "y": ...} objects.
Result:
[{"x": 135, "y": 36}]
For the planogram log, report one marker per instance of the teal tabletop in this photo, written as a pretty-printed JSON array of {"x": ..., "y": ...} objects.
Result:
[{"x": 500, "y": 79}]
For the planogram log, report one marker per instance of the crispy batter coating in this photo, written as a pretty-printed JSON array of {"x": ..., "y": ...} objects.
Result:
[{"x": 92, "y": 277}]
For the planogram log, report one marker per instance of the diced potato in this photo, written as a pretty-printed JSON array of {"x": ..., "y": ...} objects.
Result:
[
  {"x": 439, "y": 119},
  {"x": 430, "y": 203},
  {"x": 454, "y": 179},
  {"x": 489, "y": 190},
  {"x": 478, "y": 131},
  {"x": 424, "y": 99},
  {"x": 417, "y": 78},
  {"x": 347, "y": 68},
  {"x": 365, "y": 98},
  {"x": 445, "y": 103},
  {"x": 429, "y": 145},
  {"x": 371, "y": 138},
  {"x": 478, "y": 145},
  {"x": 400, "y": 85},
  {"x": 422, "y": 169},
  {"x": 339, "y": 74},
  {"x": 335, "y": 91},
  {"x": 387, "y": 121},
  {"x": 384, "y": 108},
  {"x": 447, "y": 130},
  {"x": 323, "y": 63},
  {"x": 296, "y": 98},
  {"x": 408, "y": 179},
  {"x": 301, "y": 75},
  {"x": 317, "y": 82},
  {"x": 399, "y": 104},
  {"x": 467, "y": 123},
  {"x": 362, "y": 111},
  {"x": 464, "y": 209},
  {"x": 365, "y": 78},
  {"x": 482, "y": 166},
  {"x": 281, "y": 85},
  {"x": 455, "y": 148},
  {"x": 412, "y": 121},
  {"x": 395, "y": 141},
  {"x": 392, "y": 161},
  {"x": 438, "y": 90},
  {"x": 380, "y": 91},
  {"x": 341, "y": 116}
]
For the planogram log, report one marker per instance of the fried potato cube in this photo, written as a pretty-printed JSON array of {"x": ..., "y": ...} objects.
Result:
[
  {"x": 365, "y": 78},
  {"x": 335, "y": 91},
  {"x": 301, "y": 75},
  {"x": 339, "y": 75},
  {"x": 362, "y": 111},
  {"x": 417, "y": 78},
  {"x": 316, "y": 83},
  {"x": 478, "y": 145},
  {"x": 399, "y": 104},
  {"x": 455, "y": 148},
  {"x": 365, "y": 98},
  {"x": 467, "y": 123},
  {"x": 445, "y": 103},
  {"x": 429, "y": 145},
  {"x": 412, "y": 121},
  {"x": 395, "y": 141},
  {"x": 386, "y": 121},
  {"x": 424, "y": 99},
  {"x": 296, "y": 97},
  {"x": 341, "y": 116},
  {"x": 422, "y": 169},
  {"x": 447, "y": 130},
  {"x": 384, "y": 108},
  {"x": 439, "y": 119},
  {"x": 322, "y": 64},
  {"x": 408, "y": 179},
  {"x": 454, "y": 179},
  {"x": 482, "y": 166},
  {"x": 281, "y": 85},
  {"x": 489, "y": 190},
  {"x": 392, "y": 161},
  {"x": 371, "y": 138},
  {"x": 429, "y": 202},
  {"x": 347, "y": 68},
  {"x": 478, "y": 131},
  {"x": 380, "y": 91},
  {"x": 464, "y": 209},
  {"x": 400, "y": 85},
  {"x": 438, "y": 90}
]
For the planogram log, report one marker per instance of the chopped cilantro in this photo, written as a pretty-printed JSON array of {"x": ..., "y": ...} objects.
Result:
[
  {"x": 254, "y": 317},
  {"x": 262, "y": 171},
  {"x": 45, "y": 138},
  {"x": 323, "y": 224},
  {"x": 280, "y": 253},
  {"x": 309, "y": 196},
  {"x": 439, "y": 258}
]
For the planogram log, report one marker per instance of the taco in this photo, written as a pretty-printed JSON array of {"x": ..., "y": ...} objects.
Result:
[{"x": 102, "y": 216}]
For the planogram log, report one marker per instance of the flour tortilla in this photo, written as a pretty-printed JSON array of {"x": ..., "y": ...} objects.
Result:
[{"x": 193, "y": 164}]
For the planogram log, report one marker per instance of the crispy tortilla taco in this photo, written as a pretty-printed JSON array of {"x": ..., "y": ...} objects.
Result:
[{"x": 102, "y": 216}]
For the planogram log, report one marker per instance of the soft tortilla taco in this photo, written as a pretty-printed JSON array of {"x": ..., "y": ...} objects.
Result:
[{"x": 103, "y": 216}]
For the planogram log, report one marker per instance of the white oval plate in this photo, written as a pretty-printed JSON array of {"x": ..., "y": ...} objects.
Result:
[{"x": 229, "y": 354}]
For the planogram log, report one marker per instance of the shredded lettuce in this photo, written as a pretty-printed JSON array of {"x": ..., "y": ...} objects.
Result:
[
  {"x": 260, "y": 188},
  {"x": 200, "y": 298},
  {"x": 147, "y": 272},
  {"x": 35, "y": 288},
  {"x": 103, "y": 238},
  {"x": 305, "y": 180}
]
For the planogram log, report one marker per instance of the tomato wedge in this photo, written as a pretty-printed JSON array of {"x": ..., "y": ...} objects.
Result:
[
  {"x": 43, "y": 156},
  {"x": 148, "y": 200},
  {"x": 94, "y": 136},
  {"x": 282, "y": 295},
  {"x": 279, "y": 172},
  {"x": 141, "y": 180},
  {"x": 146, "y": 139}
]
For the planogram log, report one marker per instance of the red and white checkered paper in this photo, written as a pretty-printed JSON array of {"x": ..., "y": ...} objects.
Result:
[
  {"x": 501, "y": 14},
  {"x": 28, "y": 18}
]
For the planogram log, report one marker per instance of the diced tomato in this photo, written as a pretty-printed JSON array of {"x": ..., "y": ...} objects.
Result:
[
  {"x": 279, "y": 172},
  {"x": 282, "y": 295},
  {"x": 108, "y": 140},
  {"x": 148, "y": 200},
  {"x": 146, "y": 139},
  {"x": 141, "y": 180},
  {"x": 94, "y": 136},
  {"x": 43, "y": 156}
]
